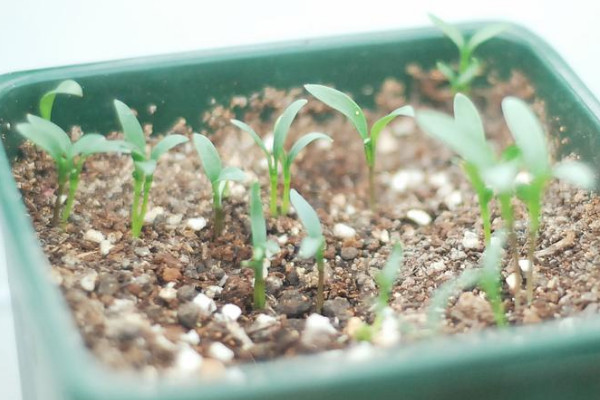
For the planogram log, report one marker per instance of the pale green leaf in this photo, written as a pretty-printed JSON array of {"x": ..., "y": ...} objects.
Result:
[
  {"x": 211, "y": 162},
  {"x": 492, "y": 256},
  {"x": 232, "y": 174},
  {"x": 470, "y": 73},
  {"x": 132, "y": 129},
  {"x": 49, "y": 128},
  {"x": 46, "y": 142},
  {"x": 166, "y": 144},
  {"x": 576, "y": 173},
  {"x": 68, "y": 87},
  {"x": 282, "y": 127},
  {"x": 386, "y": 277},
  {"x": 342, "y": 103},
  {"x": 406, "y": 111},
  {"x": 310, "y": 246},
  {"x": 146, "y": 167},
  {"x": 257, "y": 218},
  {"x": 449, "y": 30},
  {"x": 302, "y": 143},
  {"x": 528, "y": 134},
  {"x": 446, "y": 70},
  {"x": 501, "y": 177},
  {"x": 247, "y": 128},
  {"x": 308, "y": 216},
  {"x": 437, "y": 307},
  {"x": 467, "y": 117},
  {"x": 485, "y": 34},
  {"x": 88, "y": 144}
]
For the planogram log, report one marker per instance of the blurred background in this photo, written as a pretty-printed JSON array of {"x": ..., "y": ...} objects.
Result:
[{"x": 40, "y": 34}]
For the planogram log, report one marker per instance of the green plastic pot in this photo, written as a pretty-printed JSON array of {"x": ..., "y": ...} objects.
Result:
[{"x": 553, "y": 360}]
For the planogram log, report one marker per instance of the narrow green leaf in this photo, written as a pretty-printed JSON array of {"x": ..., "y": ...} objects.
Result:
[
  {"x": 485, "y": 34},
  {"x": 308, "y": 216},
  {"x": 576, "y": 173},
  {"x": 132, "y": 129},
  {"x": 282, "y": 127},
  {"x": 470, "y": 73},
  {"x": 302, "y": 143},
  {"x": 211, "y": 162},
  {"x": 146, "y": 167},
  {"x": 247, "y": 128},
  {"x": 449, "y": 30},
  {"x": 501, "y": 177},
  {"x": 386, "y": 277},
  {"x": 467, "y": 117},
  {"x": 88, "y": 144},
  {"x": 437, "y": 307},
  {"x": 310, "y": 246},
  {"x": 406, "y": 111},
  {"x": 51, "y": 129},
  {"x": 232, "y": 174},
  {"x": 528, "y": 134},
  {"x": 446, "y": 70},
  {"x": 443, "y": 128},
  {"x": 257, "y": 218},
  {"x": 342, "y": 103},
  {"x": 46, "y": 142},
  {"x": 166, "y": 144},
  {"x": 490, "y": 262},
  {"x": 68, "y": 87}
]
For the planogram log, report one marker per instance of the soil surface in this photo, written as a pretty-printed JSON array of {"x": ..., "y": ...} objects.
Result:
[{"x": 177, "y": 301}]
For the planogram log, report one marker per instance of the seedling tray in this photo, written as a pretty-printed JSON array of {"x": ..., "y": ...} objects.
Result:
[{"x": 552, "y": 360}]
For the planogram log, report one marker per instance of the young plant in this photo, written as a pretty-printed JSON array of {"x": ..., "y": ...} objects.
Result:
[
  {"x": 261, "y": 247},
  {"x": 529, "y": 136},
  {"x": 68, "y": 156},
  {"x": 345, "y": 105},
  {"x": 278, "y": 153},
  {"x": 385, "y": 280},
  {"x": 468, "y": 67},
  {"x": 68, "y": 87},
  {"x": 464, "y": 135},
  {"x": 217, "y": 175},
  {"x": 144, "y": 164},
  {"x": 487, "y": 278},
  {"x": 314, "y": 244}
]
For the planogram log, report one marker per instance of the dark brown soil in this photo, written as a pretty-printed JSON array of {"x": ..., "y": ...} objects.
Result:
[{"x": 168, "y": 302}]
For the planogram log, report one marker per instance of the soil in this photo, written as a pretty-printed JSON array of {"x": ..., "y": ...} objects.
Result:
[{"x": 177, "y": 301}]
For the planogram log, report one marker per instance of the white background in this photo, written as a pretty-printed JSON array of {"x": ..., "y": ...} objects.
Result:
[{"x": 36, "y": 34}]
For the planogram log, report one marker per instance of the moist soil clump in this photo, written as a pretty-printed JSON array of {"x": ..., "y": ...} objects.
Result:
[{"x": 177, "y": 299}]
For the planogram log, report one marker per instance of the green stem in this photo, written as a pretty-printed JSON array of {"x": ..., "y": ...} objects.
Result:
[
  {"x": 273, "y": 202},
  {"x": 508, "y": 216},
  {"x": 321, "y": 282},
  {"x": 73, "y": 184},
  {"x": 59, "y": 193},
  {"x": 136, "y": 227},
  {"x": 142, "y": 214},
  {"x": 486, "y": 219},
  {"x": 372, "y": 200},
  {"x": 530, "y": 251},
  {"x": 259, "y": 285},
  {"x": 287, "y": 180},
  {"x": 218, "y": 212}
]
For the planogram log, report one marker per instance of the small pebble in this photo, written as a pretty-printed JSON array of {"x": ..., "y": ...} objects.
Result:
[
  {"x": 171, "y": 274},
  {"x": 220, "y": 352},
  {"x": 317, "y": 330},
  {"x": 206, "y": 304},
  {"x": 349, "y": 253},
  {"x": 453, "y": 200},
  {"x": 406, "y": 179},
  {"x": 213, "y": 291},
  {"x": 92, "y": 235},
  {"x": 186, "y": 293},
  {"x": 105, "y": 247},
  {"x": 343, "y": 231},
  {"x": 339, "y": 307},
  {"x": 196, "y": 224},
  {"x": 88, "y": 282},
  {"x": 152, "y": 214},
  {"x": 263, "y": 321},
  {"x": 187, "y": 361},
  {"x": 470, "y": 240},
  {"x": 511, "y": 281},
  {"x": 174, "y": 220},
  {"x": 419, "y": 217},
  {"x": 191, "y": 337},
  {"x": 524, "y": 265},
  {"x": 167, "y": 293},
  {"x": 231, "y": 312},
  {"x": 188, "y": 314}
]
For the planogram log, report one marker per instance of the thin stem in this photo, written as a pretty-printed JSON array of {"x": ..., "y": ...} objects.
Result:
[
  {"x": 287, "y": 180},
  {"x": 507, "y": 215},
  {"x": 273, "y": 202},
  {"x": 259, "y": 285},
  {"x": 372, "y": 199},
  {"x": 59, "y": 193},
  {"x": 487, "y": 223},
  {"x": 218, "y": 212},
  {"x": 530, "y": 251},
  {"x": 135, "y": 223},
  {"x": 142, "y": 214},
  {"x": 73, "y": 184},
  {"x": 321, "y": 283}
]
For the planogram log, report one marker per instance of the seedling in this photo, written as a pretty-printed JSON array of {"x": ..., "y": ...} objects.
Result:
[
  {"x": 385, "y": 280},
  {"x": 68, "y": 87},
  {"x": 487, "y": 278},
  {"x": 314, "y": 244},
  {"x": 217, "y": 175},
  {"x": 68, "y": 156},
  {"x": 468, "y": 67},
  {"x": 464, "y": 135},
  {"x": 531, "y": 140},
  {"x": 262, "y": 248},
  {"x": 278, "y": 153},
  {"x": 144, "y": 165},
  {"x": 344, "y": 104}
]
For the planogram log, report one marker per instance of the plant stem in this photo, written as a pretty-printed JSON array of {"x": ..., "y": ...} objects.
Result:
[
  {"x": 259, "y": 285},
  {"x": 73, "y": 184},
  {"x": 321, "y": 283},
  {"x": 142, "y": 214},
  {"x": 273, "y": 202},
  {"x": 59, "y": 193},
  {"x": 218, "y": 211},
  {"x": 287, "y": 180},
  {"x": 487, "y": 223},
  {"x": 507, "y": 215},
  {"x": 372, "y": 200},
  {"x": 530, "y": 251},
  {"x": 135, "y": 223}
]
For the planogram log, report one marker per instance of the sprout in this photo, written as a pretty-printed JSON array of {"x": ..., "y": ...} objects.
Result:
[
  {"x": 531, "y": 141},
  {"x": 68, "y": 87},
  {"x": 68, "y": 156},
  {"x": 487, "y": 278},
  {"x": 385, "y": 280},
  {"x": 469, "y": 66},
  {"x": 261, "y": 247},
  {"x": 314, "y": 244},
  {"x": 278, "y": 154},
  {"x": 144, "y": 165},
  {"x": 344, "y": 104},
  {"x": 217, "y": 175},
  {"x": 464, "y": 135}
]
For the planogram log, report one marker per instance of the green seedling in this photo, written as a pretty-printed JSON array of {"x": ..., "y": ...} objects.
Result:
[
  {"x": 262, "y": 248},
  {"x": 278, "y": 153},
  {"x": 217, "y": 175},
  {"x": 68, "y": 156},
  {"x": 464, "y": 134},
  {"x": 144, "y": 165},
  {"x": 385, "y": 280},
  {"x": 529, "y": 136},
  {"x": 487, "y": 278},
  {"x": 68, "y": 87},
  {"x": 468, "y": 67},
  {"x": 314, "y": 244},
  {"x": 345, "y": 105}
]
